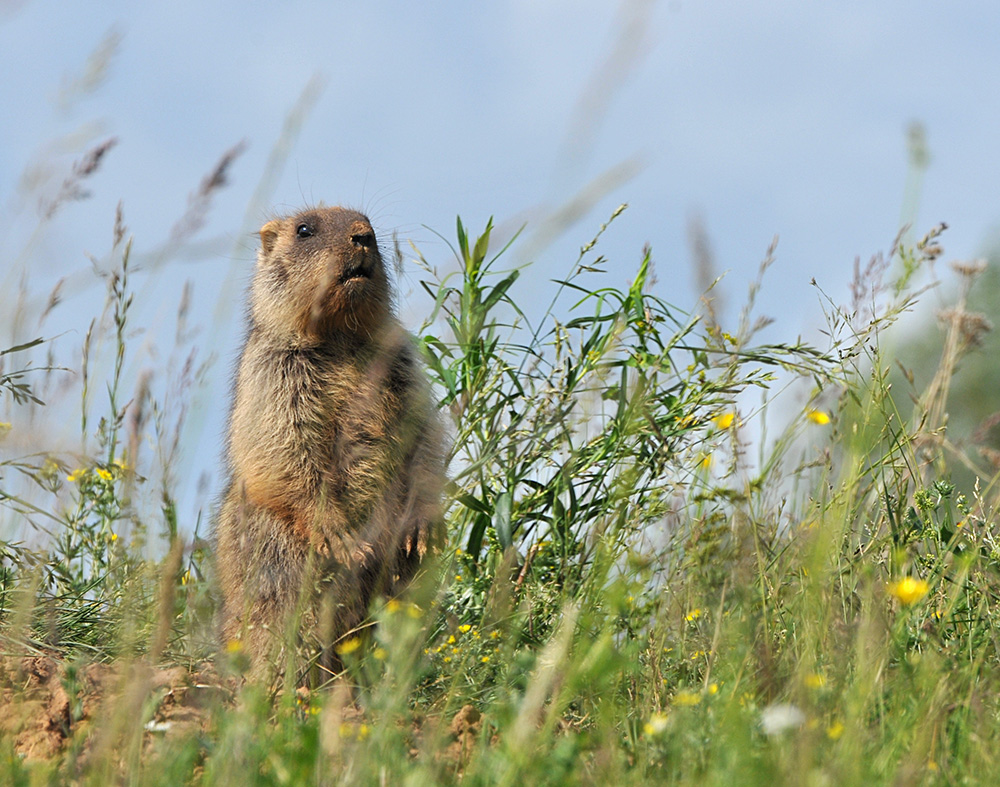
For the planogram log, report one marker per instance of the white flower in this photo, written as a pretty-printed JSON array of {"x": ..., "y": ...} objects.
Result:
[{"x": 775, "y": 719}]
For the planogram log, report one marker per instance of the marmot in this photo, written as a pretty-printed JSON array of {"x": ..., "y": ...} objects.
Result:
[{"x": 335, "y": 453}]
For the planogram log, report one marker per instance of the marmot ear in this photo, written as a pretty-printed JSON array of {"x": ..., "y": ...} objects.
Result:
[{"x": 268, "y": 235}]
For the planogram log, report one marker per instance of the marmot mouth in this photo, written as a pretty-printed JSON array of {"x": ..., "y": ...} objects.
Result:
[{"x": 356, "y": 272}]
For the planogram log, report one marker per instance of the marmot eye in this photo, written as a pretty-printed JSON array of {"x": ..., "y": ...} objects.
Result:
[
  {"x": 365, "y": 239},
  {"x": 304, "y": 231}
]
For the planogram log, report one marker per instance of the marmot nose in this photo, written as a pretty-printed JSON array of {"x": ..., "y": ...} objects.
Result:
[{"x": 364, "y": 239}]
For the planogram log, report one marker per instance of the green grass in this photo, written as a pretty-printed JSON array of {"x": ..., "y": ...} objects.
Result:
[{"x": 650, "y": 577}]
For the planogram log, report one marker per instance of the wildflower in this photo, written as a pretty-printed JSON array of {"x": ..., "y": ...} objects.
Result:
[
  {"x": 113, "y": 537},
  {"x": 392, "y": 606},
  {"x": 693, "y": 615},
  {"x": 413, "y": 611},
  {"x": 446, "y": 659},
  {"x": 657, "y": 723},
  {"x": 120, "y": 463},
  {"x": 713, "y": 688},
  {"x": 363, "y": 731},
  {"x": 686, "y": 699},
  {"x": 909, "y": 590},
  {"x": 775, "y": 719},
  {"x": 465, "y": 628},
  {"x": 817, "y": 417},
  {"x": 104, "y": 474},
  {"x": 77, "y": 474},
  {"x": 348, "y": 646},
  {"x": 815, "y": 681},
  {"x": 234, "y": 646},
  {"x": 451, "y": 639},
  {"x": 834, "y": 731},
  {"x": 706, "y": 462},
  {"x": 458, "y": 577},
  {"x": 485, "y": 659},
  {"x": 186, "y": 577},
  {"x": 724, "y": 420},
  {"x": 49, "y": 469},
  {"x": 494, "y": 634},
  {"x": 380, "y": 654}
]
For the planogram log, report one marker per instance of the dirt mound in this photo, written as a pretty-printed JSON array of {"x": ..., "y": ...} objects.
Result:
[{"x": 45, "y": 703}]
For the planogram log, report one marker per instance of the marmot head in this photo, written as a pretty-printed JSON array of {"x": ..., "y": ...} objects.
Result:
[{"x": 320, "y": 272}]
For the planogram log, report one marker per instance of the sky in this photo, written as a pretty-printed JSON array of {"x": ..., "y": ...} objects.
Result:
[{"x": 764, "y": 119}]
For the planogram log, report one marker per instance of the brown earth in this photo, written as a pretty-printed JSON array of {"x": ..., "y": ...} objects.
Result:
[{"x": 45, "y": 704}]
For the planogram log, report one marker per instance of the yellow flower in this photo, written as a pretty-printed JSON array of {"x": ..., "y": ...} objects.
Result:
[
  {"x": 114, "y": 537},
  {"x": 380, "y": 654},
  {"x": 706, "y": 462},
  {"x": 105, "y": 474},
  {"x": 724, "y": 420},
  {"x": 465, "y": 629},
  {"x": 451, "y": 639},
  {"x": 694, "y": 614},
  {"x": 686, "y": 699},
  {"x": 413, "y": 611},
  {"x": 815, "y": 681},
  {"x": 909, "y": 590},
  {"x": 348, "y": 646},
  {"x": 234, "y": 646},
  {"x": 120, "y": 463},
  {"x": 713, "y": 688},
  {"x": 494, "y": 634},
  {"x": 485, "y": 659},
  {"x": 458, "y": 577},
  {"x": 835, "y": 730},
  {"x": 392, "y": 606},
  {"x": 817, "y": 417},
  {"x": 77, "y": 474}
]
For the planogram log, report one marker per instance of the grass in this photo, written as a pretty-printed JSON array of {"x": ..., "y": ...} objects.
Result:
[{"x": 643, "y": 582}]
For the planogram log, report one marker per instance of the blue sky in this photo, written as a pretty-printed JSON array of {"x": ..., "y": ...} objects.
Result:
[{"x": 766, "y": 118}]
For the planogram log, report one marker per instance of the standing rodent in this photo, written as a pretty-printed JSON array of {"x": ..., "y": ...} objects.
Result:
[{"x": 335, "y": 454}]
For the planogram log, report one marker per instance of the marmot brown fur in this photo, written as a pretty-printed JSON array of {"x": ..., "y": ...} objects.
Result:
[{"x": 335, "y": 454}]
